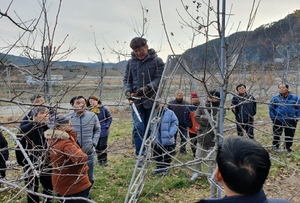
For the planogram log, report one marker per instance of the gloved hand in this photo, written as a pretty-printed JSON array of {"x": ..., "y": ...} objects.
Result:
[
  {"x": 128, "y": 95},
  {"x": 142, "y": 91}
]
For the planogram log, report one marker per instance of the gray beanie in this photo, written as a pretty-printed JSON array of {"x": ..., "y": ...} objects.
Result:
[{"x": 57, "y": 120}]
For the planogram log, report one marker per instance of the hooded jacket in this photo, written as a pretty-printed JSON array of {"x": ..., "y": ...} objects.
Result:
[
  {"x": 284, "y": 109},
  {"x": 145, "y": 72},
  {"x": 87, "y": 127},
  {"x": 69, "y": 162},
  {"x": 260, "y": 197}
]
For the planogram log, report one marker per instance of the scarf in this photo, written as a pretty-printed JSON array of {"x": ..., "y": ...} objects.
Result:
[{"x": 95, "y": 109}]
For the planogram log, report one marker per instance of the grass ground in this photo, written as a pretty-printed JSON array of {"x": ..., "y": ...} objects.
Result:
[{"x": 111, "y": 182}]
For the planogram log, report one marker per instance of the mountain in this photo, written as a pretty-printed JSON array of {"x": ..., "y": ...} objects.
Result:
[
  {"x": 20, "y": 60},
  {"x": 277, "y": 41}
]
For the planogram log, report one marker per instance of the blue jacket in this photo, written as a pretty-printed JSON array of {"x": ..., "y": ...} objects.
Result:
[
  {"x": 105, "y": 120},
  {"x": 165, "y": 134},
  {"x": 245, "y": 108},
  {"x": 145, "y": 72},
  {"x": 284, "y": 109},
  {"x": 260, "y": 197}
]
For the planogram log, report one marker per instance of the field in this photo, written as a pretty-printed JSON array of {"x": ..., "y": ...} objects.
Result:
[{"x": 112, "y": 182}]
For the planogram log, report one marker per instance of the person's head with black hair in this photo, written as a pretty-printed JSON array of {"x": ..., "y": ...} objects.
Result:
[
  {"x": 139, "y": 47},
  {"x": 79, "y": 104},
  {"x": 283, "y": 89},
  {"x": 37, "y": 99},
  {"x": 242, "y": 166},
  {"x": 241, "y": 89}
]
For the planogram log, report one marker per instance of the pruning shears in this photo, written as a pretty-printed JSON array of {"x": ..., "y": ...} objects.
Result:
[{"x": 131, "y": 103}]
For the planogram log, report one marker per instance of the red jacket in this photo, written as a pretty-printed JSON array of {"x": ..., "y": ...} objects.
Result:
[{"x": 69, "y": 162}]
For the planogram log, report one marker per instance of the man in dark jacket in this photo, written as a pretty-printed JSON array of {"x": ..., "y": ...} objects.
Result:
[
  {"x": 178, "y": 105},
  {"x": 244, "y": 109},
  {"x": 33, "y": 141},
  {"x": 142, "y": 77},
  {"x": 242, "y": 168}
]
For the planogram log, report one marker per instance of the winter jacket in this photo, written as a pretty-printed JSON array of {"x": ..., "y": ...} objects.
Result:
[
  {"x": 104, "y": 118},
  {"x": 33, "y": 141},
  {"x": 284, "y": 109},
  {"x": 206, "y": 134},
  {"x": 260, "y": 197},
  {"x": 3, "y": 149},
  {"x": 145, "y": 72},
  {"x": 87, "y": 127},
  {"x": 69, "y": 162},
  {"x": 166, "y": 129},
  {"x": 178, "y": 108},
  {"x": 245, "y": 108},
  {"x": 187, "y": 118}
]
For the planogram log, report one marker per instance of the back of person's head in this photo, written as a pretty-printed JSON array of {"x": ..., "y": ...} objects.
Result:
[
  {"x": 244, "y": 165},
  {"x": 138, "y": 42},
  {"x": 72, "y": 101},
  {"x": 38, "y": 109}
]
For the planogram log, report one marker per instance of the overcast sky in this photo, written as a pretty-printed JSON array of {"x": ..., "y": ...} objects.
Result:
[{"x": 112, "y": 22}]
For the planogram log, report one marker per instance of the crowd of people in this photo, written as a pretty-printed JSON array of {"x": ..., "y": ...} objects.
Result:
[{"x": 62, "y": 148}]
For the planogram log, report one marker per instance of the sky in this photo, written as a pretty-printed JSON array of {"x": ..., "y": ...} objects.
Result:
[{"x": 109, "y": 25}]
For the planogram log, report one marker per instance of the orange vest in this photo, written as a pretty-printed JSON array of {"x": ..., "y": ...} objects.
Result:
[{"x": 193, "y": 129}]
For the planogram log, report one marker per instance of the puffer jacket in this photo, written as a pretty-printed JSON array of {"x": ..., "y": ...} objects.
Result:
[
  {"x": 284, "y": 109},
  {"x": 145, "y": 72},
  {"x": 206, "y": 135},
  {"x": 260, "y": 197},
  {"x": 166, "y": 129},
  {"x": 104, "y": 118},
  {"x": 87, "y": 127},
  {"x": 245, "y": 108},
  {"x": 69, "y": 162}
]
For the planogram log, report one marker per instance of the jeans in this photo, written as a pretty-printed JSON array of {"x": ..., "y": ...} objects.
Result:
[
  {"x": 139, "y": 128},
  {"x": 183, "y": 135}
]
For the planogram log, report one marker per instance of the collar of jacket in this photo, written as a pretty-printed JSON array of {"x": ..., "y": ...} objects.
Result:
[
  {"x": 56, "y": 134},
  {"x": 259, "y": 197}
]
